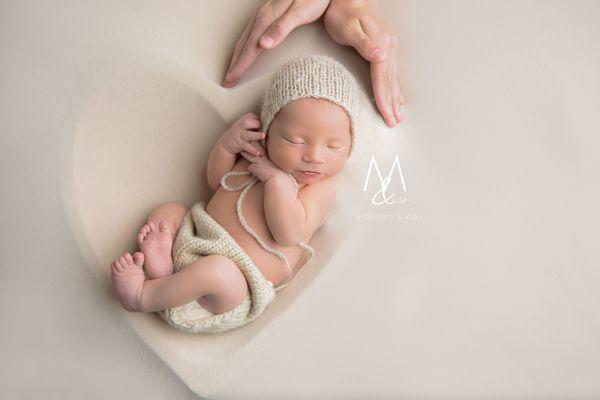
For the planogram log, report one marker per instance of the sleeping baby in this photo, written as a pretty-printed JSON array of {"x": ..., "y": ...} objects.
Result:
[{"x": 273, "y": 183}]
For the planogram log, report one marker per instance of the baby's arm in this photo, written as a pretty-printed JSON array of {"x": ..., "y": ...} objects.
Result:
[
  {"x": 220, "y": 161},
  {"x": 293, "y": 215},
  {"x": 238, "y": 137}
]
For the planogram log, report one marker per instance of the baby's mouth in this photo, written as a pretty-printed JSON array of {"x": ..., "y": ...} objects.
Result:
[{"x": 309, "y": 173}]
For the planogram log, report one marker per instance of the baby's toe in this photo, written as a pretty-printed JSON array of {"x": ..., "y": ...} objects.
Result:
[
  {"x": 138, "y": 258},
  {"x": 123, "y": 261},
  {"x": 152, "y": 227},
  {"x": 145, "y": 230},
  {"x": 128, "y": 258},
  {"x": 117, "y": 266},
  {"x": 163, "y": 226}
]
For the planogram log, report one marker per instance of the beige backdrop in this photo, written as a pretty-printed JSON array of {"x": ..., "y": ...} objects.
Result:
[{"x": 480, "y": 282}]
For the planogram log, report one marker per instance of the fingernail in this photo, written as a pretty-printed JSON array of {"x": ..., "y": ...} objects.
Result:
[
  {"x": 267, "y": 40},
  {"x": 378, "y": 54},
  {"x": 228, "y": 79},
  {"x": 398, "y": 117},
  {"x": 397, "y": 113}
]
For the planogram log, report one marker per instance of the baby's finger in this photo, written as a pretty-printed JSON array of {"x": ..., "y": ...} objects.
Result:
[
  {"x": 250, "y": 149},
  {"x": 253, "y": 135},
  {"x": 260, "y": 146},
  {"x": 257, "y": 149},
  {"x": 248, "y": 156},
  {"x": 250, "y": 122}
]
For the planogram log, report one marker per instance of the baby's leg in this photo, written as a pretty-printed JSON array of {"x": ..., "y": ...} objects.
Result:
[
  {"x": 156, "y": 238},
  {"x": 214, "y": 277}
]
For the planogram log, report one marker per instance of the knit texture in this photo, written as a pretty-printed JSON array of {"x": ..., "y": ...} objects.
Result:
[
  {"x": 316, "y": 76},
  {"x": 198, "y": 236}
]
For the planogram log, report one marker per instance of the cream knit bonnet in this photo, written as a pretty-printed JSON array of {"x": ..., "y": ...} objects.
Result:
[{"x": 316, "y": 76}]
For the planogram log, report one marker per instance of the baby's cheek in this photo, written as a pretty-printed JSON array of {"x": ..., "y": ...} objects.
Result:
[
  {"x": 286, "y": 158},
  {"x": 337, "y": 164}
]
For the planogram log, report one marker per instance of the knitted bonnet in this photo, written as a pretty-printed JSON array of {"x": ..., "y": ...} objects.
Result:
[{"x": 316, "y": 76}]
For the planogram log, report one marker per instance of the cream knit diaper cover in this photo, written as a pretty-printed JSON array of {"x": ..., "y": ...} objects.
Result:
[{"x": 198, "y": 236}]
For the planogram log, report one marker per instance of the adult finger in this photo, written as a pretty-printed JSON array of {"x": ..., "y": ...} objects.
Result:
[
  {"x": 240, "y": 44},
  {"x": 397, "y": 99},
  {"x": 248, "y": 55},
  {"x": 396, "y": 96},
  {"x": 265, "y": 15},
  {"x": 362, "y": 38},
  {"x": 279, "y": 29},
  {"x": 382, "y": 87},
  {"x": 296, "y": 14}
]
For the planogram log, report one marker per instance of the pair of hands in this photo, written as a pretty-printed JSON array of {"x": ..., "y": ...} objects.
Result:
[
  {"x": 348, "y": 22},
  {"x": 241, "y": 138}
]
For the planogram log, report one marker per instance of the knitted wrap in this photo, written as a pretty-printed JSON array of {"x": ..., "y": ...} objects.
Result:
[
  {"x": 200, "y": 235},
  {"x": 316, "y": 76}
]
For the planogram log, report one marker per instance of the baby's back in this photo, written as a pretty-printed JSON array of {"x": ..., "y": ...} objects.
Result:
[{"x": 222, "y": 207}]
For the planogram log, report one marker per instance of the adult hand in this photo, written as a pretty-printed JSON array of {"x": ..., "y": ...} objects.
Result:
[
  {"x": 272, "y": 21},
  {"x": 354, "y": 23}
]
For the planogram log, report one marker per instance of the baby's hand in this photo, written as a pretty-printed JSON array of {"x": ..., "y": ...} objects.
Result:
[
  {"x": 261, "y": 166},
  {"x": 241, "y": 137}
]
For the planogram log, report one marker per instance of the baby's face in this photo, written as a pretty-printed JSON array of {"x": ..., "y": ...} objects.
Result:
[{"x": 310, "y": 135}]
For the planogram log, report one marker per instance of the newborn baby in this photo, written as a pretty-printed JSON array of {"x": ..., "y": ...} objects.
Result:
[{"x": 231, "y": 255}]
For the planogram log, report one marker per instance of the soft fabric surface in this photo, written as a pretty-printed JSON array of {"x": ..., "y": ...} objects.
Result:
[{"x": 479, "y": 281}]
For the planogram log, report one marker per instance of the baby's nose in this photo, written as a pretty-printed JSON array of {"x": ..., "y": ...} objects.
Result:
[{"x": 313, "y": 155}]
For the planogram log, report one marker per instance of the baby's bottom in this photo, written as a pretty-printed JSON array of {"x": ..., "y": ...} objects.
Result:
[{"x": 214, "y": 281}]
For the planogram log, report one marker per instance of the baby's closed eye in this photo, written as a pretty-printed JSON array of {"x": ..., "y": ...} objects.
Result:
[
  {"x": 293, "y": 141},
  {"x": 298, "y": 142}
]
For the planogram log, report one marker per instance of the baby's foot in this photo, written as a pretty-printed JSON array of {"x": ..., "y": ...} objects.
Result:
[
  {"x": 128, "y": 280},
  {"x": 156, "y": 246}
]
